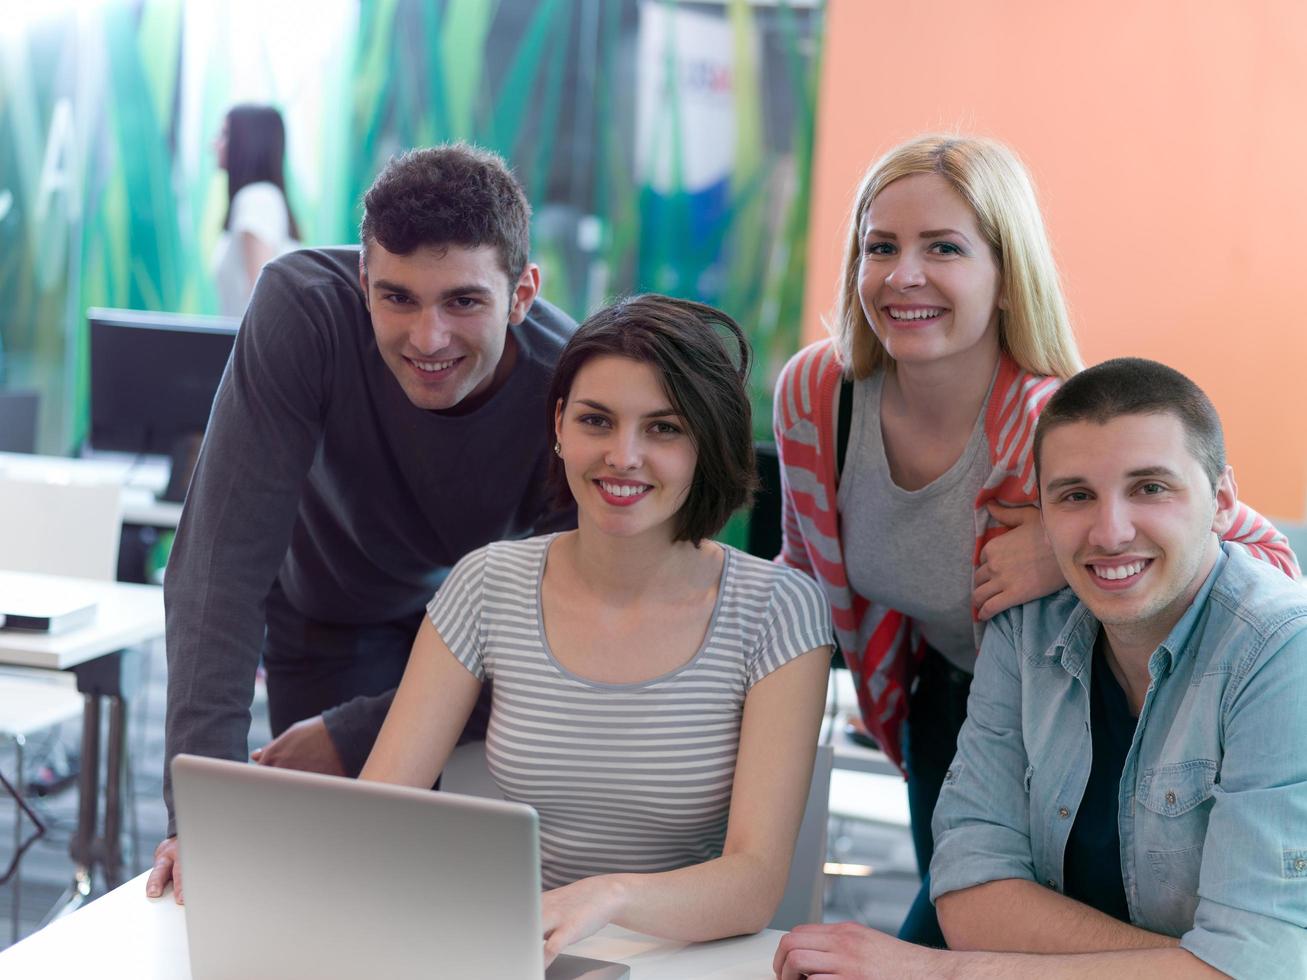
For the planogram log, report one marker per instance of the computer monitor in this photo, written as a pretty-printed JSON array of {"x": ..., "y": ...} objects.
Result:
[{"x": 153, "y": 377}]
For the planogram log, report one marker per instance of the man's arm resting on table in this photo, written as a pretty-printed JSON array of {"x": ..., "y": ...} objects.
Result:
[
  {"x": 847, "y": 951},
  {"x": 1015, "y": 915},
  {"x": 1143, "y": 964}
]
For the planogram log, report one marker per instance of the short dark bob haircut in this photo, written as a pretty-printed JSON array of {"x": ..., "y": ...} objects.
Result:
[
  {"x": 1134, "y": 386},
  {"x": 452, "y": 194},
  {"x": 686, "y": 345}
]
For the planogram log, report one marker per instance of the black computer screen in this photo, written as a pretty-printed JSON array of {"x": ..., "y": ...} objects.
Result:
[{"x": 153, "y": 377}]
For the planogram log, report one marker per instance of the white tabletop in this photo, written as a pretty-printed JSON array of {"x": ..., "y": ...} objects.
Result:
[
  {"x": 124, "y": 615},
  {"x": 126, "y": 935}
]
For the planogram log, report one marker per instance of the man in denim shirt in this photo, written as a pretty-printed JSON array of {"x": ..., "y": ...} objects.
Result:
[{"x": 1129, "y": 800}]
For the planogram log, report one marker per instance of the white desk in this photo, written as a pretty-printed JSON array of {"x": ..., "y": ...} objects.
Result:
[
  {"x": 126, "y": 935},
  {"x": 141, "y": 480},
  {"x": 125, "y": 615}
]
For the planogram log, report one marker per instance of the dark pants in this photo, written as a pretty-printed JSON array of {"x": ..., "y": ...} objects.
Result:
[
  {"x": 312, "y": 666},
  {"x": 935, "y": 714}
]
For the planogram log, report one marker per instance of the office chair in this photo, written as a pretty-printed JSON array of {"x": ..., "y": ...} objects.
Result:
[
  {"x": 58, "y": 529},
  {"x": 19, "y": 409}
]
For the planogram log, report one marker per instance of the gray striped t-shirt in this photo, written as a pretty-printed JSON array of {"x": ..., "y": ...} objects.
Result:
[{"x": 625, "y": 777}]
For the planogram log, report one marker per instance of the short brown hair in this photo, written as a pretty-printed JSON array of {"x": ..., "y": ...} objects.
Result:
[
  {"x": 1135, "y": 386},
  {"x": 683, "y": 342},
  {"x": 452, "y": 194}
]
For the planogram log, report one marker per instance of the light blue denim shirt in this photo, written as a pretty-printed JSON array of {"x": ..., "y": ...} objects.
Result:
[{"x": 1213, "y": 800}]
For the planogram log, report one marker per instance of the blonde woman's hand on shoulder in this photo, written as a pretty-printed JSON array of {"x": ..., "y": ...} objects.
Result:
[{"x": 1017, "y": 566}]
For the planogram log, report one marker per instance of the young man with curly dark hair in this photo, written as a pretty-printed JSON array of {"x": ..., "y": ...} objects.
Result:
[{"x": 368, "y": 433}]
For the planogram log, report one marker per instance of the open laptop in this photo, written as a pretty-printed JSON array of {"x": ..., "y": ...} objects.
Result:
[{"x": 292, "y": 874}]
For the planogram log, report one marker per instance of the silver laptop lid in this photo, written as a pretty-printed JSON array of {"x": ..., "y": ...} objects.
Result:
[{"x": 291, "y": 874}]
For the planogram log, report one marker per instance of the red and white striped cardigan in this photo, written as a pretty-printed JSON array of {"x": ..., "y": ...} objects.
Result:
[{"x": 881, "y": 646}]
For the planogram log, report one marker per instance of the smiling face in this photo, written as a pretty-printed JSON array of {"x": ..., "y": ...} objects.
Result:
[
  {"x": 441, "y": 316},
  {"x": 1132, "y": 519},
  {"x": 628, "y": 456},
  {"x": 928, "y": 281}
]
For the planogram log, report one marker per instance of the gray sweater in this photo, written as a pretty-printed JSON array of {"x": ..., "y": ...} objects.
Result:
[{"x": 319, "y": 473}]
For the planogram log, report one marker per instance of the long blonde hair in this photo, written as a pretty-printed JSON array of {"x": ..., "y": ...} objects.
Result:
[{"x": 1033, "y": 324}]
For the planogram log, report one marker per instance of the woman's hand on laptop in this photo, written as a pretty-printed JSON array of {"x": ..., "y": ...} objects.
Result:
[
  {"x": 573, "y": 912},
  {"x": 167, "y": 867}
]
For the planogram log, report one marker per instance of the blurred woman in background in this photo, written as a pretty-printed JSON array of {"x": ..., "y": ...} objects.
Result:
[{"x": 259, "y": 224}]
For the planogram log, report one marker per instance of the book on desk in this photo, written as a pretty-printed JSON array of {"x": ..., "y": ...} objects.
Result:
[{"x": 34, "y": 605}]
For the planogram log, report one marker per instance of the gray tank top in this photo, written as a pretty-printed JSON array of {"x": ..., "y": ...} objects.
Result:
[{"x": 911, "y": 550}]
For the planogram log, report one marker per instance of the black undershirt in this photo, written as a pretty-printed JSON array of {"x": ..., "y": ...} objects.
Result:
[{"x": 1092, "y": 863}]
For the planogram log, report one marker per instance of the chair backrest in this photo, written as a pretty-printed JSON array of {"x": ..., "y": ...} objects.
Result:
[
  {"x": 19, "y": 409},
  {"x": 806, "y": 889},
  {"x": 60, "y": 528},
  {"x": 765, "y": 515},
  {"x": 466, "y": 772}
]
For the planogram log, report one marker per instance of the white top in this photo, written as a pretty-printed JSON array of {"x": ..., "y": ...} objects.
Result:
[
  {"x": 260, "y": 209},
  {"x": 625, "y": 777}
]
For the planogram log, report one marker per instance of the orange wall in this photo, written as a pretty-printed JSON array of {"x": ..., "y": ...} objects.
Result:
[{"x": 1168, "y": 141}]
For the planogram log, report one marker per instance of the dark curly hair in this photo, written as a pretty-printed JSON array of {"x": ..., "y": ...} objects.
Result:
[
  {"x": 452, "y": 194},
  {"x": 685, "y": 343}
]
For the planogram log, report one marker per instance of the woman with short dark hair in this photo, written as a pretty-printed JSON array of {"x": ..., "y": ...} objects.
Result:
[{"x": 656, "y": 695}]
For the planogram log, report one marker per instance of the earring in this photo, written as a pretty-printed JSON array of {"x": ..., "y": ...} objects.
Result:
[{"x": 558, "y": 450}]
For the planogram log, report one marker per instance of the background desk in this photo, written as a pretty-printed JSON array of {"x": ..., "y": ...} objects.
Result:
[
  {"x": 126, "y": 935},
  {"x": 125, "y": 615},
  {"x": 141, "y": 479},
  {"x": 144, "y": 518}
]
